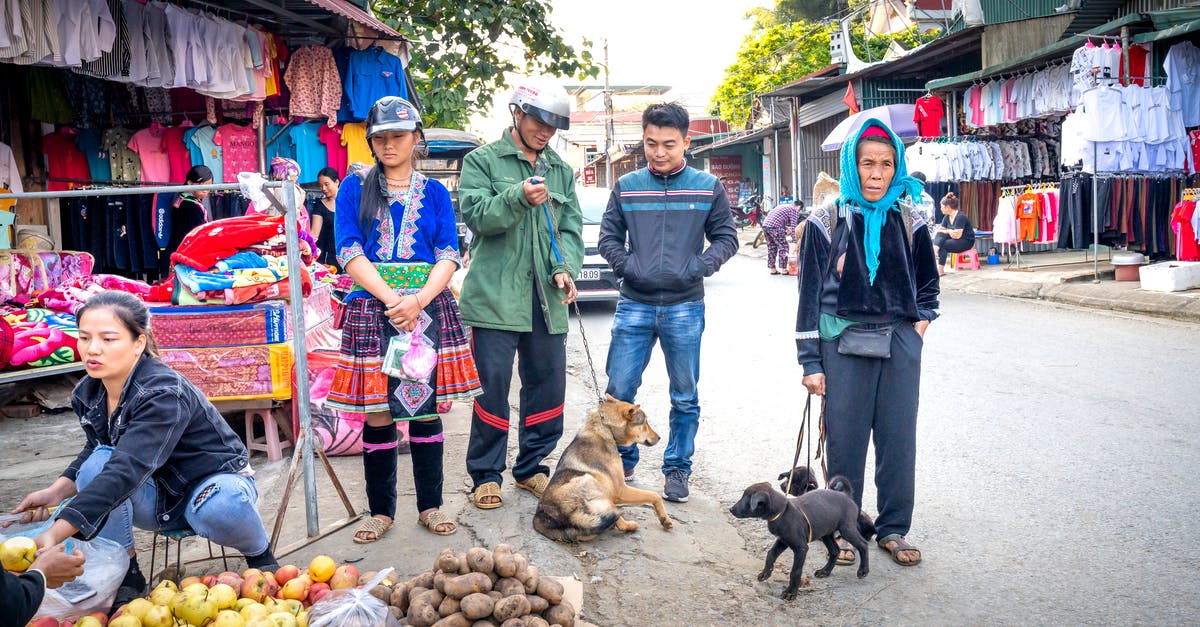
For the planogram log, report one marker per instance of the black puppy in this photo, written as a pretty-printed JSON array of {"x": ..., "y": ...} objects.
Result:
[
  {"x": 866, "y": 526},
  {"x": 797, "y": 521},
  {"x": 803, "y": 480}
]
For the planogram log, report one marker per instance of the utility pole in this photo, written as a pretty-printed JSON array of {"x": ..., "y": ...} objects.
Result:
[{"x": 608, "y": 122}]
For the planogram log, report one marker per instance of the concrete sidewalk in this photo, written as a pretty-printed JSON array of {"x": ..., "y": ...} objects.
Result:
[{"x": 1065, "y": 277}]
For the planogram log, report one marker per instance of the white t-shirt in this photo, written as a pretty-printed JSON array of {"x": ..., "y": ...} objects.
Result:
[{"x": 1104, "y": 114}]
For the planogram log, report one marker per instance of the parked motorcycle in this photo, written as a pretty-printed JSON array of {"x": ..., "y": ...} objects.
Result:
[{"x": 748, "y": 212}]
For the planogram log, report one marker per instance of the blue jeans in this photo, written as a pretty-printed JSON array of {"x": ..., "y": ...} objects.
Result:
[
  {"x": 677, "y": 329},
  {"x": 226, "y": 516}
]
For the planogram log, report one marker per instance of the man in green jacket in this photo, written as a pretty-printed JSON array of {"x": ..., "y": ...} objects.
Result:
[{"x": 518, "y": 198}]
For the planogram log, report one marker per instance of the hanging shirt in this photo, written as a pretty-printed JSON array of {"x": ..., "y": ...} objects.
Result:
[
  {"x": 354, "y": 138},
  {"x": 1105, "y": 114},
  {"x": 92, "y": 144},
  {"x": 65, "y": 159},
  {"x": 928, "y": 114},
  {"x": 1182, "y": 66},
  {"x": 316, "y": 88},
  {"x": 282, "y": 144},
  {"x": 10, "y": 176},
  {"x": 205, "y": 150},
  {"x": 239, "y": 149},
  {"x": 178, "y": 155},
  {"x": 310, "y": 154},
  {"x": 335, "y": 151},
  {"x": 148, "y": 144},
  {"x": 373, "y": 74}
]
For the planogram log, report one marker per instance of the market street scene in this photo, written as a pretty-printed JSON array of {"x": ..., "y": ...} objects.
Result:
[{"x": 430, "y": 313}]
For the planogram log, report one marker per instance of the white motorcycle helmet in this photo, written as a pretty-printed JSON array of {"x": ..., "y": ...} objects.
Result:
[{"x": 545, "y": 101}]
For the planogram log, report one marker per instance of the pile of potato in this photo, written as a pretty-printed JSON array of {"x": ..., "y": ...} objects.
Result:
[{"x": 476, "y": 589}]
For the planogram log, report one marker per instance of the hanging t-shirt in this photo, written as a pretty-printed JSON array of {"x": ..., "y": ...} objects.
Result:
[
  {"x": 1029, "y": 214},
  {"x": 92, "y": 145},
  {"x": 310, "y": 154},
  {"x": 10, "y": 176},
  {"x": 239, "y": 149},
  {"x": 928, "y": 115},
  {"x": 354, "y": 138},
  {"x": 148, "y": 144},
  {"x": 65, "y": 159},
  {"x": 1182, "y": 66},
  {"x": 125, "y": 163},
  {"x": 373, "y": 74},
  {"x": 178, "y": 156},
  {"x": 336, "y": 152},
  {"x": 282, "y": 144},
  {"x": 205, "y": 150}
]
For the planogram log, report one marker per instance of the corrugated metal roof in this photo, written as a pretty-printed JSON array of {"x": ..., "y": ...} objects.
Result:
[
  {"x": 352, "y": 12},
  {"x": 1000, "y": 11}
]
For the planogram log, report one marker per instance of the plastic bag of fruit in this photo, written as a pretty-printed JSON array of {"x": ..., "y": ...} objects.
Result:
[
  {"x": 103, "y": 569},
  {"x": 353, "y": 607}
]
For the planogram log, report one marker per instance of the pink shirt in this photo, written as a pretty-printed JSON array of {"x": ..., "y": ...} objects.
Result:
[
  {"x": 148, "y": 144},
  {"x": 239, "y": 147},
  {"x": 332, "y": 138},
  {"x": 178, "y": 156}
]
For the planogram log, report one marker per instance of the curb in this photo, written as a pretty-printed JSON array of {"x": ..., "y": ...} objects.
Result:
[{"x": 1105, "y": 296}]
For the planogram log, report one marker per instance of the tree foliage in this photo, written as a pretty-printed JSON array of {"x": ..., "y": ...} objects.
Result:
[
  {"x": 779, "y": 53},
  {"x": 462, "y": 50}
]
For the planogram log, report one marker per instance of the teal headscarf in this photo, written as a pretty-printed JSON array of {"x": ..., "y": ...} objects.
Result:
[{"x": 874, "y": 213}]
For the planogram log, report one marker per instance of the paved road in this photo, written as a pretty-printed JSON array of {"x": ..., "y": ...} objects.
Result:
[{"x": 1057, "y": 452}]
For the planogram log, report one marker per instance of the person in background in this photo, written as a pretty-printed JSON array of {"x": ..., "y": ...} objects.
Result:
[
  {"x": 927, "y": 204},
  {"x": 21, "y": 594},
  {"x": 397, "y": 238},
  {"x": 652, "y": 234},
  {"x": 868, "y": 291},
  {"x": 785, "y": 195},
  {"x": 954, "y": 233},
  {"x": 518, "y": 198},
  {"x": 322, "y": 211},
  {"x": 189, "y": 211},
  {"x": 157, "y": 455},
  {"x": 778, "y": 226}
]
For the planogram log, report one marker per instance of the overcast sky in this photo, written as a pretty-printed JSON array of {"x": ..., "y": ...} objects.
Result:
[{"x": 681, "y": 43}]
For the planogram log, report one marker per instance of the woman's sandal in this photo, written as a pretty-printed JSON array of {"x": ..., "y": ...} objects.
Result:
[
  {"x": 435, "y": 519},
  {"x": 374, "y": 526},
  {"x": 535, "y": 484},
  {"x": 901, "y": 545},
  {"x": 845, "y": 547},
  {"x": 485, "y": 490}
]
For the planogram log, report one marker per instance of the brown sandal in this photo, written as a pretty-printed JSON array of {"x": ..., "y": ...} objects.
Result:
[
  {"x": 485, "y": 490},
  {"x": 374, "y": 526},
  {"x": 435, "y": 519},
  {"x": 535, "y": 484}
]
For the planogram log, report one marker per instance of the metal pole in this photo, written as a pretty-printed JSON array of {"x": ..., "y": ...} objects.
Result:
[
  {"x": 609, "y": 132},
  {"x": 300, "y": 390},
  {"x": 1095, "y": 220},
  {"x": 128, "y": 191},
  {"x": 794, "y": 129}
]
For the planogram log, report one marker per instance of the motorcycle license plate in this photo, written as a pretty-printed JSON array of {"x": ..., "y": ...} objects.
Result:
[{"x": 588, "y": 274}]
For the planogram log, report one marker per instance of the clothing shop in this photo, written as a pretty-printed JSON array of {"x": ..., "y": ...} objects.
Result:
[
  {"x": 113, "y": 102},
  {"x": 1088, "y": 141}
]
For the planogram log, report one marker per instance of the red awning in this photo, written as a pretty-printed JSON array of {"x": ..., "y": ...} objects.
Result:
[{"x": 352, "y": 12}]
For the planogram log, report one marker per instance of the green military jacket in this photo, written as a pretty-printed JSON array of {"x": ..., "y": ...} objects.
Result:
[{"x": 510, "y": 253}]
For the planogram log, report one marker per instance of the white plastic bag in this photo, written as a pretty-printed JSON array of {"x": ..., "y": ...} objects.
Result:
[
  {"x": 104, "y": 566},
  {"x": 353, "y": 607}
]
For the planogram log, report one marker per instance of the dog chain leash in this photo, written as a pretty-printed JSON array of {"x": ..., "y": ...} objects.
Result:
[{"x": 588, "y": 351}]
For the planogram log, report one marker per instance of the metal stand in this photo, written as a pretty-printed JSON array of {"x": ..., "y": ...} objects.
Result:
[{"x": 303, "y": 444}]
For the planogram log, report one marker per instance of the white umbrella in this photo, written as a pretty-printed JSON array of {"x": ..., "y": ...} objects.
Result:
[{"x": 898, "y": 117}]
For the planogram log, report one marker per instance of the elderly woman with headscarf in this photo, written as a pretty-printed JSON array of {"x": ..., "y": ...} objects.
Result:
[{"x": 868, "y": 289}]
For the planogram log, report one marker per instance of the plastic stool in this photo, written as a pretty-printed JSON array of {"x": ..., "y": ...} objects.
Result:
[
  {"x": 178, "y": 535},
  {"x": 968, "y": 260},
  {"x": 270, "y": 442}
]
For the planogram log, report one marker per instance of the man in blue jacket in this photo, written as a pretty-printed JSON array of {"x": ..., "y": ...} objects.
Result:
[{"x": 653, "y": 235}]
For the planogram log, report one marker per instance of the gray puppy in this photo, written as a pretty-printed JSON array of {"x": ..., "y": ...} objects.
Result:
[{"x": 797, "y": 521}]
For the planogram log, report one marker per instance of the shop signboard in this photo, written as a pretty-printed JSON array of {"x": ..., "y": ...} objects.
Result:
[
  {"x": 727, "y": 168},
  {"x": 589, "y": 176}
]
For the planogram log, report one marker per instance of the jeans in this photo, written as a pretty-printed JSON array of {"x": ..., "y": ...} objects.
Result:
[
  {"x": 677, "y": 329},
  {"x": 226, "y": 515}
]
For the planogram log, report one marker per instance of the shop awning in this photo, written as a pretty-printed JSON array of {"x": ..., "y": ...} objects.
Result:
[
  {"x": 297, "y": 17},
  {"x": 1171, "y": 24},
  {"x": 1057, "y": 50},
  {"x": 744, "y": 137},
  {"x": 353, "y": 13}
]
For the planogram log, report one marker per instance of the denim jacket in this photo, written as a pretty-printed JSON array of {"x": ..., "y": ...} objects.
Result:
[{"x": 163, "y": 429}]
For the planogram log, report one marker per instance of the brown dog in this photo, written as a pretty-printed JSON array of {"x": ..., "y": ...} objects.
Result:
[{"x": 588, "y": 487}]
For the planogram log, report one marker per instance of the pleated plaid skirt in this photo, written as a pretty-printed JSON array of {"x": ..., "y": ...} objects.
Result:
[{"x": 359, "y": 384}]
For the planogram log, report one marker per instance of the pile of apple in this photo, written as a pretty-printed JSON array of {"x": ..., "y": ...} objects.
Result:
[{"x": 251, "y": 599}]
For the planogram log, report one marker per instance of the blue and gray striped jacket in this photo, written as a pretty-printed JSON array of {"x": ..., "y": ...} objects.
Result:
[{"x": 654, "y": 229}]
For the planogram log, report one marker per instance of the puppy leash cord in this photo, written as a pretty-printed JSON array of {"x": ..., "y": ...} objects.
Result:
[{"x": 588, "y": 351}]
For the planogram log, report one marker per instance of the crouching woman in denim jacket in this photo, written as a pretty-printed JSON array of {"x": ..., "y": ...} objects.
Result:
[{"x": 158, "y": 455}]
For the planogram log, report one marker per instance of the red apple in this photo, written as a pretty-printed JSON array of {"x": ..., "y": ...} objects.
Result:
[
  {"x": 286, "y": 574},
  {"x": 231, "y": 579},
  {"x": 257, "y": 587},
  {"x": 100, "y": 616},
  {"x": 44, "y": 621},
  {"x": 250, "y": 571},
  {"x": 317, "y": 591},
  {"x": 295, "y": 589},
  {"x": 209, "y": 580},
  {"x": 345, "y": 576},
  {"x": 187, "y": 581}
]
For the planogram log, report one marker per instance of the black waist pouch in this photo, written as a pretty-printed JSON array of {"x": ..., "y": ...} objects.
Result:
[{"x": 873, "y": 341}]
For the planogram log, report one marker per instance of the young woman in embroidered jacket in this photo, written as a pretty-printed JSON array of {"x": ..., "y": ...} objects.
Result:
[
  {"x": 868, "y": 290},
  {"x": 157, "y": 456},
  {"x": 396, "y": 237}
]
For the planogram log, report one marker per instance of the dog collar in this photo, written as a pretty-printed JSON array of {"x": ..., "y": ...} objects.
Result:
[{"x": 801, "y": 510}]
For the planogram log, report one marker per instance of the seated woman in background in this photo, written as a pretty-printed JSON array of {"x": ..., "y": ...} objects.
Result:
[
  {"x": 322, "y": 211},
  {"x": 954, "y": 233},
  {"x": 157, "y": 456}
]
